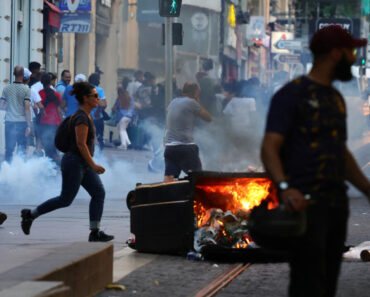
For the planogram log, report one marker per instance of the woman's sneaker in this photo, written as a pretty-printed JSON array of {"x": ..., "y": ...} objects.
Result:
[
  {"x": 27, "y": 220},
  {"x": 97, "y": 235},
  {"x": 3, "y": 217}
]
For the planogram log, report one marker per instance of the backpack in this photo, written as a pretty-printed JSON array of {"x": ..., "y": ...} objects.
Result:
[{"x": 63, "y": 135}]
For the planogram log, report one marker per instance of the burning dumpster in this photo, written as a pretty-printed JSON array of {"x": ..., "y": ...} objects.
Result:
[{"x": 206, "y": 211}]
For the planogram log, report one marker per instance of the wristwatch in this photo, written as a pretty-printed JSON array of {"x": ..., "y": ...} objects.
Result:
[{"x": 283, "y": 185}]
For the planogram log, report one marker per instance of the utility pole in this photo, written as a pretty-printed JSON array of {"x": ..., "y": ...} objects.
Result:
[
  {"x": 168, "y": 57},
  {"x": 290, "y": 6}
]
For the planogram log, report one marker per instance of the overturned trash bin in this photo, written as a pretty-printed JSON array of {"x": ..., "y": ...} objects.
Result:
[{"x": 207, "y": 212}]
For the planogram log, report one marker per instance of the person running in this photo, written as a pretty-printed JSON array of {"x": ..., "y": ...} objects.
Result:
[
  {"x": 306, "y": 155},
  {"x": 181, "y": 153},
  {"x": 78, "y": 167}
]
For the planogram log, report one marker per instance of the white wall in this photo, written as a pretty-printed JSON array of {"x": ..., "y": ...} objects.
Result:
[
  {"x": 5, "y": 35},
  {"x": 36, "y": 25}
]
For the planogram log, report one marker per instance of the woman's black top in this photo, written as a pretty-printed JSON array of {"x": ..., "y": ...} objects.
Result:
[{"x": 80, "y": 117}]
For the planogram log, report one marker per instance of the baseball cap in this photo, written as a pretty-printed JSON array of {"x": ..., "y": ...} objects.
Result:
[
  {"x": 80, "y": 77},
  {"x": 26, "y": 74},
  {"x": 334, "y": 36}
]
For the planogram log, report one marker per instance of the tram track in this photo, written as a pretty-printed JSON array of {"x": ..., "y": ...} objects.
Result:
[{"x": 222, "y": 281}]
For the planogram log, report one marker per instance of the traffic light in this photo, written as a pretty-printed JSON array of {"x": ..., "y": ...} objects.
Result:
[
  {"x": 363, "y": 61},
  {"x": 169, "y": 8},
  {"x": 177, "y": 34},
  {"x": 360, "y": 54},
  {"x": 242, "y": 17}
]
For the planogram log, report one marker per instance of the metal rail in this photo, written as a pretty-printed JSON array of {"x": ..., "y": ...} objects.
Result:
[{"x": 222, "y": 281}]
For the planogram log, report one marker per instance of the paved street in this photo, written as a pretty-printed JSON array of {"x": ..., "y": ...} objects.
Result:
[{"x": 159, "y": 275}]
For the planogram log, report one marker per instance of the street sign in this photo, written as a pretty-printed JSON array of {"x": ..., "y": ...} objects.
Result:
[
  {"x": 75, "y": 22},
  {"x": 75, "y": 5},
  {"x": 289, "y": 44},
  {"x": 256, "y": 27},
  {"x": 288, "y": 59},
  {"x": 276, "y": 37}
]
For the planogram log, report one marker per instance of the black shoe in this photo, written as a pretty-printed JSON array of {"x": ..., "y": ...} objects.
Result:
[
  {"x": 3, "y": 217},
  {"x": 26, "y": 220},
  {"x": 100, "y": 236}
]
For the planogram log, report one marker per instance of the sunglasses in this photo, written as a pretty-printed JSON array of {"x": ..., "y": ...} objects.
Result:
[{"x": 94, "y": 95}]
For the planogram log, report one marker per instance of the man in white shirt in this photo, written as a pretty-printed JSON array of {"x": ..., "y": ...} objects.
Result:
[{"x": 135, "y": 85}]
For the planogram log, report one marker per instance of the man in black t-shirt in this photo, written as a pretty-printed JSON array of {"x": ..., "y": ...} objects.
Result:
[{"x": 305, "y": 153}]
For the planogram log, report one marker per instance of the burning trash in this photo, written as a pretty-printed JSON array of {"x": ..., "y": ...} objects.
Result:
[{"x": 222, "y": 211}]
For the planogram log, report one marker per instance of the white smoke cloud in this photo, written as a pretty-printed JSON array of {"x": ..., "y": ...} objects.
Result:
[{"x": 33, "y": 181}]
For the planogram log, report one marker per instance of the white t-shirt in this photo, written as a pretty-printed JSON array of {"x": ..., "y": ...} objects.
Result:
[
  {"x": 39, "y": 86},
  {"x": 35, "y": 98},
  {"x": 133, "y": 87}
]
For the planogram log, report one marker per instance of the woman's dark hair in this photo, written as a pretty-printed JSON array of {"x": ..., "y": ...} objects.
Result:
[
  {"x": 125, "y": 82},
  {"x": 46, "y": 79},
  {"x": 81, "y": 89},
  {"x": 52, "y": 75}
]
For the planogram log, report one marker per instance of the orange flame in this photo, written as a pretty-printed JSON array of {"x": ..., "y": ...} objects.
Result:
[
  {"x": 239, "y": 194},
  {"x": 246, "y": 192}
]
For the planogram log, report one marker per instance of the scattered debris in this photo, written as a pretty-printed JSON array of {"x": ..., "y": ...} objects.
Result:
[
  {"x": 226, "y": 229},
  {"x": 194, "y": 256},
  {"x": 355, "y": 253},
  {"x": 115, "y": 287}
]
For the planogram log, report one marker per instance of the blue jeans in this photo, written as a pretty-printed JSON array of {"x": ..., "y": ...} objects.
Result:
[
  {"x": 47, "y": 135},
  {"x": 15, "y": 135},
  {"x": 99, "y": 128},
  {"x": 75, "y": 173}
]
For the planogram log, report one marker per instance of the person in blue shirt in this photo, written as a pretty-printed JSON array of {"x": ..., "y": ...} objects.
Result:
[
  {"x": 69, "y": 101},
  {"x": 97, "y": 113},
  {"x": 64, "y": 82}
]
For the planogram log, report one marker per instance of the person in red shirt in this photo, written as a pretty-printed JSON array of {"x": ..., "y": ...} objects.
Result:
[{"x": 49, "y": 121}]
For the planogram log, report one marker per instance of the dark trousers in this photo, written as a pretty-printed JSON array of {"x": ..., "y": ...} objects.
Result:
[
  {"x": 47, "y": 135},
  {"x": 315, "y": 261},
  {"x": 75, "y": 173},
  {"x": 179, "y": 158},
  {"x": 15, "y": 135},
  {"x": 99, "y": 127}
]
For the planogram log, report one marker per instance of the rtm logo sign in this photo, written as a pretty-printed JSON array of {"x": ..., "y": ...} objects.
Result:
[{"x": 73, "y": 4}]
